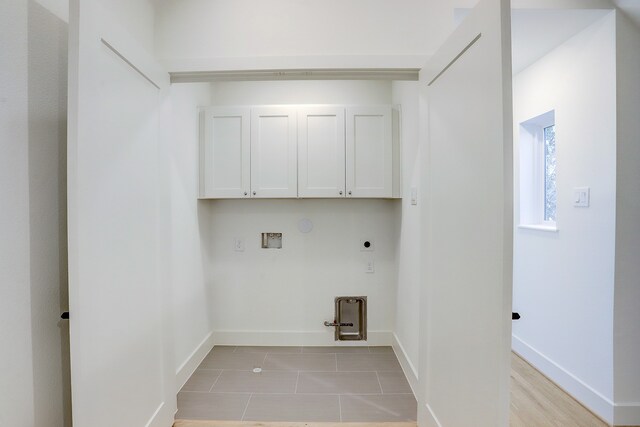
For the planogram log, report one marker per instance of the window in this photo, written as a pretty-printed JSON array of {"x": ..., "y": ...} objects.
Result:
[
  {"x": 550, "y": 192},
  {"x": 537, "y": 172}
]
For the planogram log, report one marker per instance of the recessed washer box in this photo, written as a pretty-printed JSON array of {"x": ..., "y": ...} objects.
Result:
[
  {"x": 271, "y": 240},
  {"x": 367, "y": 245}
]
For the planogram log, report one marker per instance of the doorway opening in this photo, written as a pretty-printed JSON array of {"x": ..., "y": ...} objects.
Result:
[{"x": 564, "y": 143}]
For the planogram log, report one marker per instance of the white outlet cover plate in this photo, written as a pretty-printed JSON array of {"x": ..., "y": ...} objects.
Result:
[{"x": 370, "y": 268}]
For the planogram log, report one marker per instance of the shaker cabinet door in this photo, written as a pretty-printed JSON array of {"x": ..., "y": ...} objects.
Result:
[
  {"x": 321, "y": 152},
  {"x": 369, "y": 152},
  {"x": 274, "y": 165},
  {"x": 225, "y": 165}
]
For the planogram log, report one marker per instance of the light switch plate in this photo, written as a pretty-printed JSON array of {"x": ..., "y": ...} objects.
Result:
[
  {"x": 414, "y": 196},
  {"x": 581, "y": 196}
]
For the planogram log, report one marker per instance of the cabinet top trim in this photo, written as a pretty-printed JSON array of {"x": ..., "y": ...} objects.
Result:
[
  {"x": 235, "y": 108},
  {"x": 410, "y": 74}
]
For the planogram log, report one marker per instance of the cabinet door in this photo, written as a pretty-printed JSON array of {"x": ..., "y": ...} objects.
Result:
[
  {"x": 274, "y": 152},
  {"x": 225, "y": 163},
  {"x": 369, "y": 152},
  {"x": 321, "y": 152}
]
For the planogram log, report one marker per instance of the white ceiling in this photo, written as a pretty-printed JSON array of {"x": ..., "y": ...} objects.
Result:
[
  {"x": 631, "y": 8},
  {"x": 535, "y": 32}
]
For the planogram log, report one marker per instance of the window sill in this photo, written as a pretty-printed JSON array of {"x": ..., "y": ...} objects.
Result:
[{"x": 539, "y": 227}]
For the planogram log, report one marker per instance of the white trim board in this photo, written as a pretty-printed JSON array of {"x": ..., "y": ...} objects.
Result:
[
  {"x": 431, "y": 419},
  {"x": 626, "y": 414},
  {"x": 158, "y": 416},
  {"x": 582, "y": 392},
  {"x": 407, "y": 367},
  {"x": 295, "y": 74},
  {"x": 188, "y": 367},
  {"x": 297, "y": 338},
  {"x": 326, "y": 62}
]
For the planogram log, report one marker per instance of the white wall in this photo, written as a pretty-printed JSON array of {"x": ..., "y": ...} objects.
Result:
[
  {"x": 205, "y": 29},
  {"x": 563, "y": 282},
  {"x": 16, "y": 376},
  {"x": 466, "y": 281},
  {"x": 119, "y": 271},
  {"x": 190, "y": 235},
  {"x": 283, "y": 296},
  {"x": 48, "y": 220},
  {"x": 409, "y": 256},
  {"x": 34, "y": 356},
  {"x": 627, "y": 291},
  {"x": 301, "y": 92},
  {"x": 137, "y": 16},
  {"x": 442, "y": 19}
]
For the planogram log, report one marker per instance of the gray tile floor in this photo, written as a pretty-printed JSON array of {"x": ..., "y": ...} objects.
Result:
[{"x": 333, "y": 384}]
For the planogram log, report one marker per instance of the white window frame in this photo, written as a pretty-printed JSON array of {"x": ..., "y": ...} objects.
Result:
[{"x": 532, "y": 172}]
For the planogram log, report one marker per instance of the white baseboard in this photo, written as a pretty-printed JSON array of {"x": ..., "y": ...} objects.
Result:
[
  {"x": 286, "y": 338},
  {"x": 163, "y": 416},
  {"x": 427, "y": 418},
  {"x": 582, "y": 392},
  {"x": 409, "y": 369},
  {"x": 627, "y": 414},
  {"x": 189, "y": 366}
]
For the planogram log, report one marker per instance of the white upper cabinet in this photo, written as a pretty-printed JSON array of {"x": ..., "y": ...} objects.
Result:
[
  {"x": 321, "y": 152},
  {"x": 274, "y": 165},
  {"x": 299, "y": 151},
  {"x": 225, "y": 153},
  {"x": 369, "y": 154}
]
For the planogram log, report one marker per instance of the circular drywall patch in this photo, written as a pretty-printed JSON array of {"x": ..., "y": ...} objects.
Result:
[{"x": 305, "y": 225}]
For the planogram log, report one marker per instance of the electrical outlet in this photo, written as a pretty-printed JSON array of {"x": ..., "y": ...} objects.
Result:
[
  {"x": 238, "y": 245},
  {"x": 366, "y": 245},
  {"x": 369, "y": 268}
]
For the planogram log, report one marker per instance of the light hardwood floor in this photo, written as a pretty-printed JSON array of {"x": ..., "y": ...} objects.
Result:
[
  {"x": 281, "y": 424},
  {"x": 535, "y": 402},
  {"x": 538, "y": 402}
]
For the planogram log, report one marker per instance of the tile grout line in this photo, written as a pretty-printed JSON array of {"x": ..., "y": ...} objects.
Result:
[
  {"x": 246, "y": 407},
  {"x": 229, "y": 392},
  {"x": 324, "y": 371},
  {"x": 379, "y": 383},
  {"x": 264, "y": 359},
  {"x": 216, "y": 381},
  {"x": 296, "y": 392},
  {"x": 308, "y": 393}
]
